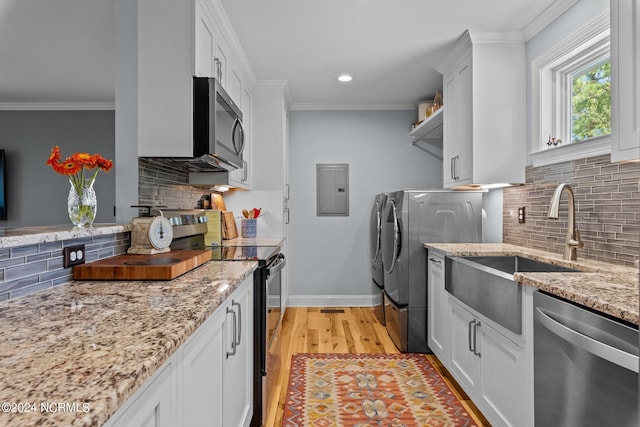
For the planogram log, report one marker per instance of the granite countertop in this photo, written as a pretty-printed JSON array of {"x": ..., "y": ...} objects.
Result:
[
  {"x": 21, "y": 236},
  {"x": 94, "y": 343},
  {"x": 607, "y": 288}
]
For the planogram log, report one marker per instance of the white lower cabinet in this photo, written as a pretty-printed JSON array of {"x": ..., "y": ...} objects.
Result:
[
  {"x": 208, "y": 380},
  {"x": 490, "y": 367},
  {"x": 152, "y": 406},
  {"x": 439, "y": 313}
]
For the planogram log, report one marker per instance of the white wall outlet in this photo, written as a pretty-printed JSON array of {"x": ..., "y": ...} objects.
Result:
[{"x": 73, "y": 255}]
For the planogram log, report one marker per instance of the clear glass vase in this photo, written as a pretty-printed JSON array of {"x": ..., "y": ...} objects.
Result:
[{"x": 82, "y": 204}]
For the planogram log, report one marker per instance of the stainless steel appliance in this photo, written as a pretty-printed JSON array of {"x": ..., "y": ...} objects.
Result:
[
  {"x": 411, "y": 218},
  {"x": 218, "y": 135},
  {"x": 585, "y": 366},
  {"x": 375, "y": 254}
]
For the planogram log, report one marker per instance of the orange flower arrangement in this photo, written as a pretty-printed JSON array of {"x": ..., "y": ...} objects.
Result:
[{"x": 75, "y": 165}]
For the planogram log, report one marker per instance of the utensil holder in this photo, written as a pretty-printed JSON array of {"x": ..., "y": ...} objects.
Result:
[{"x": 248, "y": 227}]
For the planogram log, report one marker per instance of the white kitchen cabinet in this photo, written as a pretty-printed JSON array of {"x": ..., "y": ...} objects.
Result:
[
  {"x": 484, "y": 122},
  {"x": 625, "y": 80},
  {"x": 167, "y": 44},
  {"x": 216, "y": 368},
  {"x": 237, "y": 408},
  {"x": 152, "y": 405},
  {"x": 490, "y": 367},
  {"x": 208, "y": 381},
  {"x": 202, "y": 372},
  {"x": 205, "y": 41},
  {"x": 439, "y": 311}
]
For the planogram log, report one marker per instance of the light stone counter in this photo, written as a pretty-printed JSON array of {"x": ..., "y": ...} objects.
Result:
[
  {"x": 607, "y": 288},
  {"x": 22, "y": 236},
  {"x": 93, "y": 343}
]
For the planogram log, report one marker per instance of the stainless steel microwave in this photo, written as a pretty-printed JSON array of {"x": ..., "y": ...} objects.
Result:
[{"x": 218, "y": 135}]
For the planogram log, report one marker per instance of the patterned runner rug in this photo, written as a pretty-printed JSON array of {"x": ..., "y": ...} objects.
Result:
[{"x": 369, "y": 390}]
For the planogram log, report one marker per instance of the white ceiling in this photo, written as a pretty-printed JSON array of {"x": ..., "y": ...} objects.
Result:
[{"x": 62, "y": 51}]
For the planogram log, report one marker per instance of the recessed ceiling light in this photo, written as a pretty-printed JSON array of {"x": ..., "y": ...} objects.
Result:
[{"x": 345, "y": 78}]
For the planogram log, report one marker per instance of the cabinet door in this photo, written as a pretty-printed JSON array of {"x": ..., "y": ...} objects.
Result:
[
  {"x": 153, "y": 407},
  {"x": 439, "y": 311},
  {"x": 625, "y": 80},
  {"x": 202, "y": 370},
  {"x": 458, "y": 126},
  {"x": 503, "y": 388},
  {"x": 464, "y": 363},
  {"x": 205, "y": 42},
  {"x": 238, "y": 367}
]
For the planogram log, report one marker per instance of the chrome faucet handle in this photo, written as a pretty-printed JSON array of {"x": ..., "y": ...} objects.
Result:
[{"x": 576, "y": 240}]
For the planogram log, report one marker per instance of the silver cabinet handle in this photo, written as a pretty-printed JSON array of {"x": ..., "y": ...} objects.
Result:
[
  {"x": 600, "y": 349},
  {"x": 239, "y": 336},
  {"x": 475, "y": 337},
  {"x": 286, "y": 215},
  {"x": 235, "y": 328},
  {"x": 470, "y": 338},
  {"x": 245, "y": 173},
  {"x": 437, "y": 261},
  {"x": 451, "y": 167}
]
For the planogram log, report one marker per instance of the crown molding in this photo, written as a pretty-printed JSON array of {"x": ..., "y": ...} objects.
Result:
[
  {"x": 56, "y": 106},
  {"x": 311, "y": 106},
  {"x": 545, "y": 18}
]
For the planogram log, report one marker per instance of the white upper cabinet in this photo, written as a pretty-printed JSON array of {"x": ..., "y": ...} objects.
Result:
[
  {"x": 205, "y": 42},
  {"x": 484, "y": 121},
  {"x": 170, "y": 42},
  {"x": 625, "y": 80}
]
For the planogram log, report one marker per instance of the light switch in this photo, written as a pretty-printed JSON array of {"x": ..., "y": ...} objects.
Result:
[{"x": 521, "y": 214}]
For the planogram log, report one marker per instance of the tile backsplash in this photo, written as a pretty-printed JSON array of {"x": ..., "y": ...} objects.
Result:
[
  {"x": 30, "y": 268},
  {"x": 607, "y": 202},
  {"x": 161, "y": 184}
]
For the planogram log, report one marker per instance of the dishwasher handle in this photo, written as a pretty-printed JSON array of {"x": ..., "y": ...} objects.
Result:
[{"x": 600, "y": 349}]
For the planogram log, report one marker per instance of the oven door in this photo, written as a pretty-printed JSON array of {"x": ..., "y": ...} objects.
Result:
[{"x": 273, "y": 290}]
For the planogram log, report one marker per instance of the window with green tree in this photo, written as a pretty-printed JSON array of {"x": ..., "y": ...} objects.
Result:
[{"x": 591, "y": 102}]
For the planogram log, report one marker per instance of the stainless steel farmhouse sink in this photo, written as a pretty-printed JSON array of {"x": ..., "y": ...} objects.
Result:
[{"x": 486, "y": 284}]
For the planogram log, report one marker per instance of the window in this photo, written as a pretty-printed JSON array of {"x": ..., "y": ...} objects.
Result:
[{"x": 571, "y": 114}]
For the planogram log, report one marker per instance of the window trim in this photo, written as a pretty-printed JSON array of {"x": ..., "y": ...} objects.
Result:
[{"x": 546, "y": 69}]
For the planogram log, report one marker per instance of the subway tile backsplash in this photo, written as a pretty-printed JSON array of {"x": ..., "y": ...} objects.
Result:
[
  {"x": 607, "y": 201},
  {"x": 30, "y": 268}
]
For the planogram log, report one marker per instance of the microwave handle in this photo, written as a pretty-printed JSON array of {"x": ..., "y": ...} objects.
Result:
[{"x": 238, "y": 123}]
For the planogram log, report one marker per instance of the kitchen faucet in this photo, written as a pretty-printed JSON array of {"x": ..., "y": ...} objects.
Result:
[{"x": 573, "y": 235}]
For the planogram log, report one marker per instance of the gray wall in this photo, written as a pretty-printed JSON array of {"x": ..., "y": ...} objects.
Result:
[
  {"x": 328, "y": 256},
  {"x": 36, "y": 195}
]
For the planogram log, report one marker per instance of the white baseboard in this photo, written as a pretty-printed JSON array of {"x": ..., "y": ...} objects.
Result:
[{"x": 332, "y": 301}]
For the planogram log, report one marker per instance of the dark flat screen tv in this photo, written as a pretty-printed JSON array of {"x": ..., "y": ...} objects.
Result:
[{"x": 3, "y": 198}]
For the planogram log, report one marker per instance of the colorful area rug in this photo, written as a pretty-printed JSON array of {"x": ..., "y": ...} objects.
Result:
[{"x": 369, "y": 390}]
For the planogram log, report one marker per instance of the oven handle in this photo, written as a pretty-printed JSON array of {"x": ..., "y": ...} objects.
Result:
[
  {"x": 600, "y": 349},
  {"x": 277, "y": 266}
]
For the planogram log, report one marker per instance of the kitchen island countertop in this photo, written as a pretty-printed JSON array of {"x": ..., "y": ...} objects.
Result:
[
  {"x": 92, "y": 344},
  {"x": 608, "y": 288}
]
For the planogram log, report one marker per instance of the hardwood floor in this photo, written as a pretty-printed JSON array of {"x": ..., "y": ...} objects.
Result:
[{"x": 343, "y": 330}]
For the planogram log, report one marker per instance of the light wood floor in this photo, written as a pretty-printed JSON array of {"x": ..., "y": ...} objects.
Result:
[{"x": 344, "y": 330}]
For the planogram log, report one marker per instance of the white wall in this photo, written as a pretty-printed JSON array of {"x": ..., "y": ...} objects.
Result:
[{"x": 328, "y": 257}]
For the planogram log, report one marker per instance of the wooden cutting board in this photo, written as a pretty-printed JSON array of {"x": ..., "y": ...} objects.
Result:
[
  {"x": 229, "y": 230},
  {"x": 165, "y": 266}
]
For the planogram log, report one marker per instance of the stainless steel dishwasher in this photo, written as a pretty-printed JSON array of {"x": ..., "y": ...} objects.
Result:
[{"x": 585, "y": 366}]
